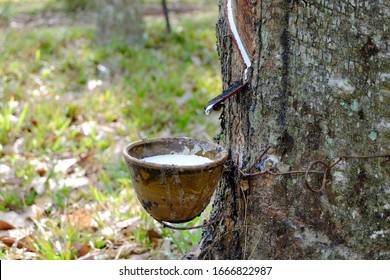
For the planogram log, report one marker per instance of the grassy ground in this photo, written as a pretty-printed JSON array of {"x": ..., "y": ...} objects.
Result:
[{"x": 68, "y": 107}]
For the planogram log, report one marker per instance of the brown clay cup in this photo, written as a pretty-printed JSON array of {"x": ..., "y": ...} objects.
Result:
[{"x": 174, "y": 193}]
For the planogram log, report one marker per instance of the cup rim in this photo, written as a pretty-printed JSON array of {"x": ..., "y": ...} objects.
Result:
[{"x": 217, "y": 162}]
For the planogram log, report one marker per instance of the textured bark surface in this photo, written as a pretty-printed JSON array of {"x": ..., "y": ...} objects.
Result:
[
  {"x": 119, "y": 22},
  {"x": 320, "y": 89}
]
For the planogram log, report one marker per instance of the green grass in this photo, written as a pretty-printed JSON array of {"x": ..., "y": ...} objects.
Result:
[
  {"x": 185, "y": 239},
  {"x": 49, "y": 114}
]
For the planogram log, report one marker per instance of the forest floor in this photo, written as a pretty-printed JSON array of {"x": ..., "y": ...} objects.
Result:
[{"x": 67, "y": 109}]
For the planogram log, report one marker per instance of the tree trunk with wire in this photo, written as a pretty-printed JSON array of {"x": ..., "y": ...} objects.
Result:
[
  {"x": 320, "y": 89},
  {"x": 119, "y": 22}
]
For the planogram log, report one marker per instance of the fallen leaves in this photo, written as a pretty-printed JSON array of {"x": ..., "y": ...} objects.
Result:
[
  {"x": 81, "y": 249},
  {"x": 82, "y": 220},
  {"x": 22, "y": 219},
  {"x": 24, "y": 243},
  {"x": 5, "y": 226},
  {"x": 15, "y": 228}
]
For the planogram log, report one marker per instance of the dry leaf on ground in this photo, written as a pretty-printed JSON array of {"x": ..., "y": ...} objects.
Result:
[
  {"x": 19, "y": 243},
  {"x": 82, "y": 220},
  {"x": 5, "y": 226}
]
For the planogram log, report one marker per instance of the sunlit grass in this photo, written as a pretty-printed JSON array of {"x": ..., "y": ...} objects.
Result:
[{"x": 63, "y": 98}]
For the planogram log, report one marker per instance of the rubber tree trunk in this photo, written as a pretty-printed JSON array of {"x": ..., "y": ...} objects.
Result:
[
  {"x": 320, "y": 89},
  {"x": 119, "y": 22}
]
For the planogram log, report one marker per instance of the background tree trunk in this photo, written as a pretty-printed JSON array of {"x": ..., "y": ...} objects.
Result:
[
  {"x": 320, "y": 89},
  {"x": 119, "y": 22}
]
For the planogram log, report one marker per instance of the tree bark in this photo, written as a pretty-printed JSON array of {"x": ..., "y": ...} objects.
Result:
[
  {"x": 119, "y": 22},
  {"x": 320, "y": 89}
]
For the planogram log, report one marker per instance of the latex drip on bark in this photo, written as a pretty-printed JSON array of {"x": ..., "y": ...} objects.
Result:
[{"x": 237, "y": 87}]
